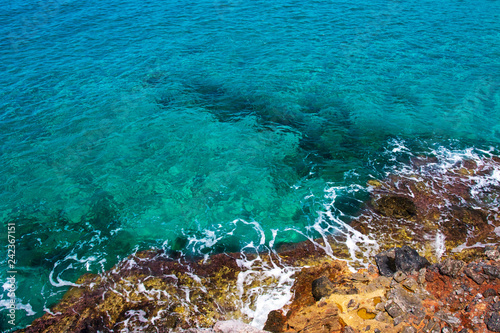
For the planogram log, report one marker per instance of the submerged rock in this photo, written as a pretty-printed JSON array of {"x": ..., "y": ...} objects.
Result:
[
  {"x": 395, "y": 206},
  {"x": 436, "y": 207},
  {"x": 146, "y": 291}
]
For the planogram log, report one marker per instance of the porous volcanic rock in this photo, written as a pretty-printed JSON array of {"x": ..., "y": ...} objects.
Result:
[{"x": 437, "y": 298}]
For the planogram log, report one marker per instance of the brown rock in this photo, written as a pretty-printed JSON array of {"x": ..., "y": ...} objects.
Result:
[
  {"x": 395, "y": 206},
  {"x": 474, "y": 275},
  {"x": 451, "y": 267},
  {"x": 409, "y": 329},
  {"x": 314, "y": 319},
  {"x": 410, "y": 284},
  {"x": 302, "y": 287},
  {"x": 322, "y": 287},
  {"x": 275, "y": 322},
  {"x": 406, "y": 301},
  {"x": 393, "y": 309},
  {"x": 399, "y": 276},
  {"x": 492, "y": 271},
  {"x": 490, "y": 292}
]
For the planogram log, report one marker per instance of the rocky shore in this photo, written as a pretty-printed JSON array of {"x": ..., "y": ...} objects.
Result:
[
  {"x": 402, "y": 293},
  {"x": 434, "y": 267},
  {"x": 405, "y": 293}
]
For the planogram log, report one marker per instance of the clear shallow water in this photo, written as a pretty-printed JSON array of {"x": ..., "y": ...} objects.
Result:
[{"x": 128, "y": 125}]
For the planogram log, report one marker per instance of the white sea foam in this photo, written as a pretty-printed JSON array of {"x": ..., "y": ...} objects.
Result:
[
  {"x": 439, "y": 245},
  {"x": 197, "y": 245},
  {"x": 398, "y": 146},
  {"x": 273, "y": 299},
  {"x": 271, "y": 293},
  {"x": 329, "y": 223},
  {"x": 59, "y": 282},
  {"x": 464, "y": 246},
  {"x": 47, "y": 310},
  {"x": 451, "y": 168},
  {"x": 5, "y": 303}
]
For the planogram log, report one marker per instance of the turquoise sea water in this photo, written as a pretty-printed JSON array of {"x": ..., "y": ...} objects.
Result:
[{"x": 198, "y": 127}]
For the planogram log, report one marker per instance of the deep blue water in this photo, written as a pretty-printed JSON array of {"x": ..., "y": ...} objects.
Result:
[{"x": 126, "y": 125}]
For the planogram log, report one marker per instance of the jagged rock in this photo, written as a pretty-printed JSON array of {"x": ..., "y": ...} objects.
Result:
[
  {"x": 495, "y": 306},
  {"x": 393, "y": 309},
  {"x": 404, "y": 259},
  {"x": 380, "y": 306},
  {"x": 410, "y": 284},
  {"x": 386, "y": 262},
  {"x": 492, "y": 271},
  {"x": 432, "y": 326},
  {"x": 406, "y": 301},
  {"x": 407, "y": 259},
  {"x": 400, "y": 319},
  {"x": 474, "y": 275},
  {"x": 451, "y": 267},
  {"x": 382, "y": 317},
  {"x": 352, "y": 304},
  {"x": 399, "y": 276},
  {"x": 493, "y": 322},
  {"x": 493, "y": 254},
  {"x": 448, "y": 318},
  {"x": 302, "y": 287},
  {"x": 235, "y": 326},
  {"x": 362, "y": 277},
  {"x": 395, "y": 206},
  {"x": 322, "y": 287},
  {"x": 421, "y": 276},
  {"x": 378, "y": 283}
]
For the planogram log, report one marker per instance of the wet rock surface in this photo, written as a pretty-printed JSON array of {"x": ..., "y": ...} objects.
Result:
[
  {"x": 327, "y": 297},
  {"x": 152, "y": 291},
  {"x": 427, "y": 206}
]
